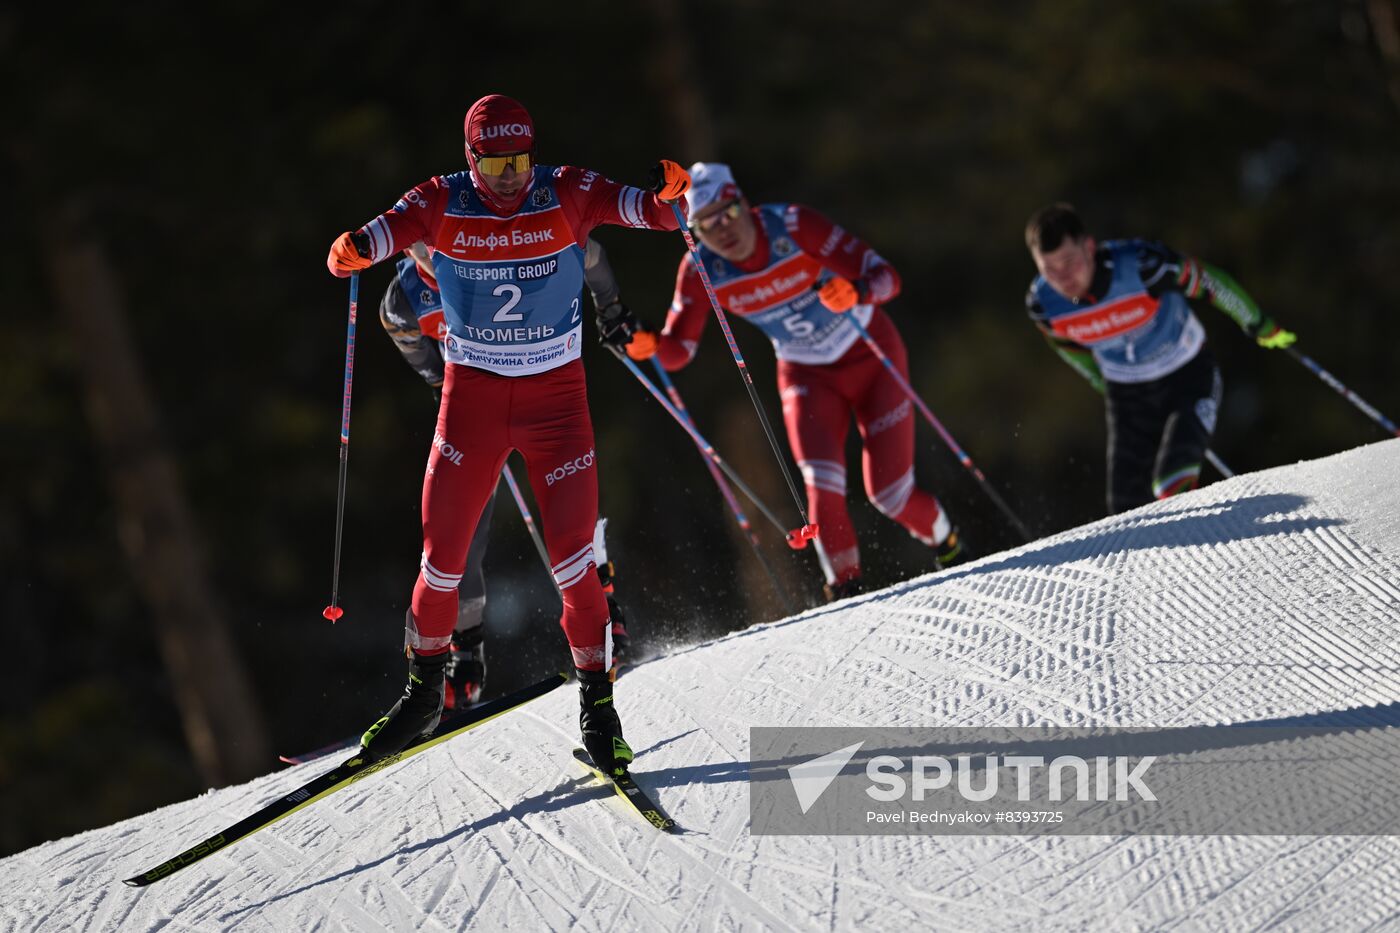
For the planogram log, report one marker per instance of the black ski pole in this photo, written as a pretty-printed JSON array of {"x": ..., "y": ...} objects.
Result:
[
  {"x": 1361, "y": 404},
  {"x": 333, "y": 612},
  {"x": 797, "y": 538},
  {"x": 957, "y": 451},
  {"x": 529, "y": 520},
  {"x": 705, "y": 447},
  {"x": 665, "y": 379}
]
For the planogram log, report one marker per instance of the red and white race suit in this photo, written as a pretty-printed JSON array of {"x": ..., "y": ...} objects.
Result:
[
  {"x": 826, "y": 373},
  {"x": 511, "y": 288}
]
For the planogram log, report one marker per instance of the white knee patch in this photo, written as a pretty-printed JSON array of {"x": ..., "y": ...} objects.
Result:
[
  {"x": 436, "y": 579},
  {"x": 572, "y": 569},
  {"x": 893, "y": 498},
  {"x": 826, "y": 475}
]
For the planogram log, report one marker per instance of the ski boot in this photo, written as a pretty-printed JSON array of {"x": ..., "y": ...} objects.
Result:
[
  {"x": 951, "y": 550},
  {"x": 597, "y": 720},
  {"x": 466, "y": 670},
  {"x": 417, "y": 711},
  {"x": 843, "y": 590}
]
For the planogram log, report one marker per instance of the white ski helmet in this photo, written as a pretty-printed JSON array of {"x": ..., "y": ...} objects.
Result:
[{"x": 710, "y": 183}]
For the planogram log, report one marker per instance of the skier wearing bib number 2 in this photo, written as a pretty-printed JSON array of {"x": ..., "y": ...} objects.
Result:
[
  {"x": 508, "y": 238},
  {"x": 797, "y": 275},
  {"x": 411, "y": 312}
]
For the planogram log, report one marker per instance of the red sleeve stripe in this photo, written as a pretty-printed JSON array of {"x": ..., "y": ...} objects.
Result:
[
  {"x": 1190, "y": 278},
  {"x": 629, "y": 207},
  {"x": 381, "y": 239}
]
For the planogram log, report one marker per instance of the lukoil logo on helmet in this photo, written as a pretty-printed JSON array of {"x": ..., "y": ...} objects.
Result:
[
  {"x": 505, "y": 129},
  {"x": 578, "y": 464}
]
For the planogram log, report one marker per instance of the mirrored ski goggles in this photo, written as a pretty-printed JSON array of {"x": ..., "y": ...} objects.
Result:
[
  {"x": 727, "y": 214},
  {"x": 497, "y": 164}
]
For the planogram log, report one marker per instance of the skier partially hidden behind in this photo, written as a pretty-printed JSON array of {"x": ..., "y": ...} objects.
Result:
[
  {"x": 411, "y": 312},
  {"x": 508, "y": 241},
  {"x": 1117, "y": 312},
  {"x": 796, "y": 275}
]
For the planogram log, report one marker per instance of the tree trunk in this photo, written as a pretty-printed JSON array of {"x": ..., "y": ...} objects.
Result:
[
  {"x": 222, "y": 724},
  {"x": 1385, "y": 27},
  {"x": 692, "y": 127}
]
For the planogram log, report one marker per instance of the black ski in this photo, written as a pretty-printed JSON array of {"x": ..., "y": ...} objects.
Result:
[
  {"x": 628, "y": 790},
  {"x": 449, "y": 722},
  {"x": 343, "y": 775}
]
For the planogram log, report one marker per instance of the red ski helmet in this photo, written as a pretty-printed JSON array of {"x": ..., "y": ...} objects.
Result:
[{"x": 497, "y": 125}]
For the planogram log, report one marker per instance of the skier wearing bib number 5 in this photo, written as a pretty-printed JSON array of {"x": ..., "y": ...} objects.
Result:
[
  {"x": 797, "y": 275},
  {"x": 508, "y": 237}
]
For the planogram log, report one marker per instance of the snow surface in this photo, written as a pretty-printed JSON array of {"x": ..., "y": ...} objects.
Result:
[{"x": 1272, "y": 595}]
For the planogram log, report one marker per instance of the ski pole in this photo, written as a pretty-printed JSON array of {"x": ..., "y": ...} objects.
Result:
[
  {"x": 1344, "y": 392},
  {"x": 665, "y": 379},
  {"x": 957, "y": 451},
  {"x": 703, "y": 444},
  {"x": 797, "y": 538},
  {"x": 333, "y": 612},
  {"x": 1219, "y": 464},
  {"x": 529, "y": 519}
]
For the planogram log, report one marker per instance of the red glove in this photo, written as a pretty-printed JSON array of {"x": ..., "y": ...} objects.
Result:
[
  {"x": 839, "y": 294},
  {"x": 643, "y": 345},
  {"x": 345, "y": 257},
  {"x": 669, "y": 181}
]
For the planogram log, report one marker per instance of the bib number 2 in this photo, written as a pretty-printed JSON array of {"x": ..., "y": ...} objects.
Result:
[{"x": 506, "y": 314}]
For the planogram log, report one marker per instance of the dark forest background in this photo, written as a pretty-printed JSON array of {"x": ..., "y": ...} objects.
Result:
[{"x": 171, "y": 345}]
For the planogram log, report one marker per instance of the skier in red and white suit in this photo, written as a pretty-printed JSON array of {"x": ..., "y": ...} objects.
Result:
[
  {"x": 797, "y": 276},
  {"x": 508, "y": 239}
]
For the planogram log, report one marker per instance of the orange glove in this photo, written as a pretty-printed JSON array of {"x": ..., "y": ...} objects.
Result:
[
  {"x": 668, "y": 180},
  {"x": 643, "y": 345},
  {"x": 839, "y": 294},
  {"x": 345, "y": 257}
]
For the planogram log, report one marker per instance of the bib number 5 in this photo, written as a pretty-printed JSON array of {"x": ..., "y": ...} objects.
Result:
[{"x": 798, "y": 326}]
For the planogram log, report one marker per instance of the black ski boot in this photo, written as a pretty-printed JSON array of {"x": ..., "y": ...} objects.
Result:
[
  {"x": 843, "y": 590},
  {"x": 952, "y": 550},
  {"x": 597, "y": 719},
  {"x": 417, "y": 711},
  {"x": 466, "y": 670}
]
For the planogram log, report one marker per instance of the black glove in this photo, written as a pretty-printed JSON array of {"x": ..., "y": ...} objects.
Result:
[{"x": 616, "y": 325}]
